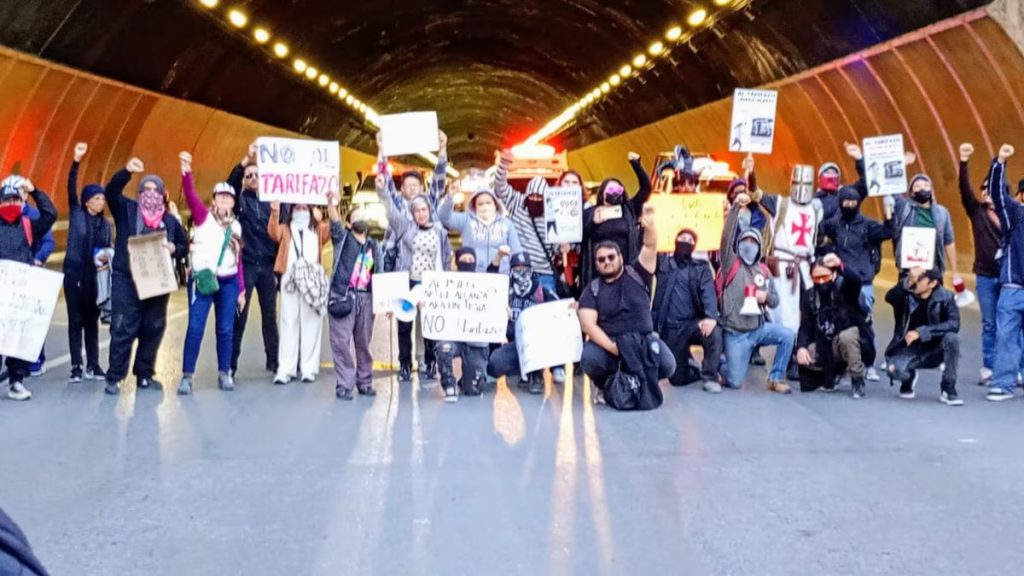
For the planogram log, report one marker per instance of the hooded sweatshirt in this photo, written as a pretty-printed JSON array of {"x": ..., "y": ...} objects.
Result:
[
  {"x": 529, "y": 227},
  {"x": 410, "y": 237},
  {"x": 733, "y": 294},
  {"x": 857, "y": 240},
  {"x": 1011, "y": 216},
  {"x": 484, "y": 238}
]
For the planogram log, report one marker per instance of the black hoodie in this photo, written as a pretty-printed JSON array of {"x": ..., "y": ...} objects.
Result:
[{"x": 857, "y": 241}]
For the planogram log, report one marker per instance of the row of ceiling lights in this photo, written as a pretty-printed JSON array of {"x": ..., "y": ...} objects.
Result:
[{"x": 674, "y": 35}]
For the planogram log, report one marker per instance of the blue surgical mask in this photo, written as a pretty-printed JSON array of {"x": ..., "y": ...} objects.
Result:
[{"x": 748, "y": 252}]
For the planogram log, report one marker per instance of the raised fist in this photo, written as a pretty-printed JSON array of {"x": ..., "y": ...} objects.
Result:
[
  {"x": 135, "y": 166},
  {"x": 507, "y": 156},
  {"x": 966, "y": 149},
  {"x": 186, "y": 162},
  {"x": 853, "y": 150},
  {"x": 80, "y": 149},
  {"x": 250, "y": 154},
  {"x": 442, "y": 140},
  {"x": 27, "y": 187},
  {"x": 504, "y": 251},
  {"x": 633, "y": 156},
  {"x": 1005, "y": 151},
  {"x": 748, "y": 163}
]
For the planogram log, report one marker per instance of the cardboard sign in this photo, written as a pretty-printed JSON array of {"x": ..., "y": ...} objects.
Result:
[
  {"x": 464, "y": 306},
  {"x": 563, "y": 215},
  {"x": 704, "y": 213},
  {"x": 548, "y": 335},
  {"x": 298, "y": 171},
  {"x": 387, "y": 288},
  {"x": 30, "y": 295},
  {"x": 917, "y": 248},
  {"x": 753, "y": 121},
  {"x": 152, "y": 269},
  {"x": 409, "y": 133},
  {"x": 884, "y": 165}
]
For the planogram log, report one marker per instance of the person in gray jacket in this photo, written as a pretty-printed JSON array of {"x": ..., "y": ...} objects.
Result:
[{"x": 483, "y": 227}]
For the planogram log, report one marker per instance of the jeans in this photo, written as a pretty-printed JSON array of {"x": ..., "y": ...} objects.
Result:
[
  {"x": 547, "y": 281},
  {"x": 906, "y": 360},
  {"x": 224, "y": 302},
  {"x": 133, "y": 319},
  {"x": 263, "y": 280},
  {"x": 867, "y": 299},
  {"x": 1009, "y": 322},
  {"x": 83, "y": 317},
  {"x": 680, "y": 338},
  {"x": 505, "y": 362},
  {"x": 599, "y": 365},
  {"x": 988, "y": 297},
  {"x": 474, "y": 363},
  {"x": 738, "y": 346},
  {"x": 355, "y": 329}
]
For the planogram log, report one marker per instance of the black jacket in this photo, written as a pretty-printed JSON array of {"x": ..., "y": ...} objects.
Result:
[
  {"x": 253, "y": 215},
  {"x": 126, "y": 214},
  {"x": 943, "y": 315},
  {"x": 987, "y": 234},
  {"x": 14, "y": 244},
  {"x": 685, "y": 292},
  {"x": 637, "y": 357},
  {"x": 631, "y": 209},
  {"x": 857, "y": 242},
  {"x": 86, "y": 232},
  {"x": 824, "y": 315}
]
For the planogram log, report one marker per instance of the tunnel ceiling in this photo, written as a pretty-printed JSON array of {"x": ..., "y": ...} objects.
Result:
[{"x": 495, "y": 70}]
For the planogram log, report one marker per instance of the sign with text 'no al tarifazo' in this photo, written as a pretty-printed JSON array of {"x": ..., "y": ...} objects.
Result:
[{"x": 298, "y": 171}]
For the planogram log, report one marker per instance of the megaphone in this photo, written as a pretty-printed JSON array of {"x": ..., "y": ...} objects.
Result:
[
  {"x": 405, "y": 307},
  {"x": 750, "y": 306},
  {"x": 964, "y": 297}
]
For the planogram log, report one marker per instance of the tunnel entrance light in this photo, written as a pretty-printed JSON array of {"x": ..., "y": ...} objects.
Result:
[
  {"x": 261, "y": 35},
  {"x": 615, "y": 80},
  {"x": 625, "y": 70}
]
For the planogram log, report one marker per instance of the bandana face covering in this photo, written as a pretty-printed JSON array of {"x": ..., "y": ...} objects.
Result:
[
  {"x": 10, "y": 213},
  {"x": 151, "y": 206},
  {"x": 522, "y": 280}
]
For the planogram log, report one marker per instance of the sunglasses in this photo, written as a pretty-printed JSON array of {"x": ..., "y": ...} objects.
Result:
[
  {"x": 819, "y": 280},
  {"x": 614, "y": 190},
  {"x": 609, "y": 258}
]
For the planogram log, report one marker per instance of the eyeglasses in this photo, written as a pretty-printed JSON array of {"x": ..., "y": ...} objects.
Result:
[
  {"x": 251, "y": 175},
  {"x": 609, "y": 258}
]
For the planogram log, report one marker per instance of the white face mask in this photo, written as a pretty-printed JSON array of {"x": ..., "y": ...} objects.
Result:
[{"x": 301, "y": 218}]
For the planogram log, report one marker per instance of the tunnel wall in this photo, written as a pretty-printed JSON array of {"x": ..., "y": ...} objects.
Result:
[
  {"x": 46, "y": 108},
  {"x": 959, "y": 80}
]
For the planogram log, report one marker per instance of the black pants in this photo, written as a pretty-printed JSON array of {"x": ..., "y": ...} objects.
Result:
[
  {"x": 680, "y": 338},
  {"x": 263, "y": 280},
  {"x": 134, "y": 319},
  {"x": 903, "y": 362},
  {"x": 17, "y": 370},
  {"x": 83, "y": 316},
  {"x": 405, "y": 330},
  {"x": 599, "y": 365}
]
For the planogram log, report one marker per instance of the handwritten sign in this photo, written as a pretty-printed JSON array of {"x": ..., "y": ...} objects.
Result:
[
  {"x": 884, "y": 165},
  {"x": 563, "y": 215},
  {"x": 917, "y": 248},
  {"x": 388, "y": 287},
  {"x": 30, "y": 295},
  {"x": 703, "y": 213},
  {"x": 753, "y": 121},
  {"x": 464, "y": 306},
  {"x": 298, "y": 171},
  {"x": 151, "y": 265},
  {"x": 548, "y": 335},
  {"x": 409, "y": 133}
]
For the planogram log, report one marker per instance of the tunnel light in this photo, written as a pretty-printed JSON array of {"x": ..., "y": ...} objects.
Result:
[
  {"x": 697, "y": 17},
  {"x": 349, "y": 99},
  {"x": 639, "y": 60},
  {"x": 596, "y": 93},
  {"x": 261, "y": 35},
  {"x": 300, "y": 65},
  {"x": 238, "y": 18},
  {"x": 311, "y": 73},
  {"x": 362, "y": 108},
  {"x": 209, "y": 3},
  {"x": 323, "y": 80},
  {"x": 605, "y": 87},
  {"x": 656, "y": 48},
  {"x": 280, "y": 50},
  {"x": 674, "y": 33},
  {"x": 723, "y": 2},
  {"x": 533, "y": 151},
  {"x": 625, "y": 71},
  {"x": 615, "y": 80},
  {"x": 333, "y": 88}
]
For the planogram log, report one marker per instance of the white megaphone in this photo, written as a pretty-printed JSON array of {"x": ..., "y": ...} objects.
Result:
[
  {"x": 405, "y": 307},
  {"x": 964, "y": 297},
  {"x": 750, "y": 306}
]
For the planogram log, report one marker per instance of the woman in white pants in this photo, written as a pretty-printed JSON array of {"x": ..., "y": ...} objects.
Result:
[{"x": 300, "y": 240}]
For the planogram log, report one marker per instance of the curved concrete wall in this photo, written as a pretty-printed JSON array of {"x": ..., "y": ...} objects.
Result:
[
  {"x": 46, "y": 108},
  {"x": 959, "y": 80}
]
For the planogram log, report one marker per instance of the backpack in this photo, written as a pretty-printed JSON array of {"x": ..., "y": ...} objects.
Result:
[{"x": 595, "y": 284}]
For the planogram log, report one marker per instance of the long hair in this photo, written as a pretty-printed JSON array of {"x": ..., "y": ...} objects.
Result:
[
  {"x": 286, "y": 216},
  {"x": 604, "y": 184}
]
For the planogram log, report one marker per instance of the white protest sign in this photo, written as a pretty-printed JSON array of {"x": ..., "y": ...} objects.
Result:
[
  {"x": 409, "y": 133},
  {"x": 464, "y": 306},
  {"x": 298, "y": 171},
  {"x": 884, "y": 165},
  {"x": 388, "y": 287},
  {"x": 753, "y": 121},
  {"x": 917, "y": 248},
  {"x": 563, "y": 215},
  {"x": 152, "y": 269},
  {"x": 548, "y": 335},
  {"x": 30, "y": 295}
]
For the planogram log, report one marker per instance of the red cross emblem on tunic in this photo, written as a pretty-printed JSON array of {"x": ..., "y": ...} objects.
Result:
[{"x": 802, "y": 230}]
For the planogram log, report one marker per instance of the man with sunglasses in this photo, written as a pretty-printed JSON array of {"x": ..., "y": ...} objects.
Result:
[
  {"x": 926, "y": 335},
  {"x": 258, "y": 258}
]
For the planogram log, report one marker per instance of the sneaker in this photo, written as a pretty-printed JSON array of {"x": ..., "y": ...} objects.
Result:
[
  {"x": 225, "y": 382},
  {"x": 112, "y": 388},
  {"x": 872, "y": 374},
  {"x": 779, "y": 387},
  {"x": 366, "y": 391},
  {"x": 95, "y": 373},
  {"x": 859, "y": 389},
  {"x": 38, "y": 371},
  {"x": 999, "y": 394},
  {"x": 281, "y": 380},
  {"x": 147, "y": 383},
  {"x": 558, "y": 375},
  {"x": 76, "y": 375},
  {"x": 185, "y": 388},
  {"x": 450, "y": 395},
  {"x": 712, "y": 387},
  {"x": 17, "y": 391},
  {"x": 405, "y": 373},
  {"x": 344, "y": 394},
  {"x": 907, "y": 388},
  {"x": 307, "y": 379},
  {"x": 473, "y": 389},
  {"x": 986, "y": 377},
  {"x": 950, "y": 398},
  {"x": 537, "y": 384}
]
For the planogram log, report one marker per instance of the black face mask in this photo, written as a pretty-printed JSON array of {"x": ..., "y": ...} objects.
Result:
[
  {"x": 849, "y": 213},
  {"x": 535, "y": 205},
  {"x": 614, "y": 199},
  {"x": 466, "y": 266},
  {"x": 360, "y": 226},
  {"x": 922, "y": 196},
  {"x": 684, "y": 250}
]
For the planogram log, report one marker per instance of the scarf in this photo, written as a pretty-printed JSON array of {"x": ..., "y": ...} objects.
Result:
[{"x": 151, "y": 208}]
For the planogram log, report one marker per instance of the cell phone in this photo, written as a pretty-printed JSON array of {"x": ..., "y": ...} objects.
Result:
[{"x": 611, "y": 212}]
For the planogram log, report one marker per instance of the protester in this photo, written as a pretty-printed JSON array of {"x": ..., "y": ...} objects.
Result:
[
  {"x": 834, "y": 337},
  {"x": 19, "y": 236},
  {"x": 615, "y": 313},
  {"x": 926, "y": 335},
  {"x": 569, "y": 262},
  {"x": 678, "y": 175},
  {"x": 685, "y": 313},
  {"x": 134, "y": 319},
  {"x": 483, "y": 226},
  {"x": 88, "y": 238},
  {"x": 614, "y": 219},
  {"x": 16, "y": 555},
  {"x": 924, "y": 211},
  {"x": 422, "y": 247},
  {"x": 304, "y": 286},
  {"x": 258, "y": 259},
  {"x": 473, "y": 354},
  {"x": 524, "y": 290},
  {"x": 217, "y": 278},
  {"x": 43, "y": 251},
  {"x": 829, "y": 182},
  {"x": 351, "y": 301},
  {"x": 526, "y": 210}
]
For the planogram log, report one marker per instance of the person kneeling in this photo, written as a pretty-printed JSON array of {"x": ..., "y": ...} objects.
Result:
[
  {"x": 473, "y": 354},
  {"x": 927, "y": 326},
  {"x": 833, "y": 332}
]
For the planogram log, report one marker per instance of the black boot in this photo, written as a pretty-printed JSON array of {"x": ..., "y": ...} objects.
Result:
[
  {"x": 859, "y": 388},
  {"x": 792, "y": 372},
  {"x": 405, "y": 372},
  {"x": 537, "y": 383}
]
